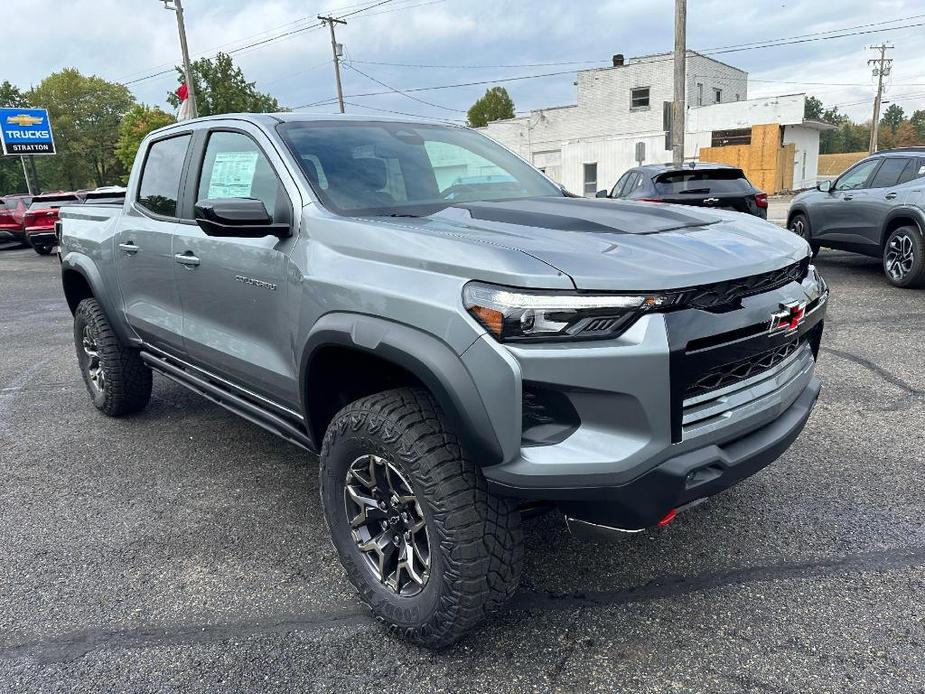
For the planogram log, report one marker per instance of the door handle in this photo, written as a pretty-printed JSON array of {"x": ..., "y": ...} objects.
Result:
[
  {"x": 891, "y": 196},
  {"x": 129, "y": 247},
  {"x": 187, "y": 259},
  {"x": 848, "y": 197}
]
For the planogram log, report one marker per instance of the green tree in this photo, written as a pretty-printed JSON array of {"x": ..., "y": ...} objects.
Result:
[
  {"x": 85, "y": 114},
  {"x": 221, "y": 88},
  {"x": 11, "y": 176},
  {"x": 893, "y": 117},
  {"x": 135, "y": 125},
  {"x": 496, "y": 104},
  {"x": 813, "y": 108},
  {"x": 917, "y": 119}
]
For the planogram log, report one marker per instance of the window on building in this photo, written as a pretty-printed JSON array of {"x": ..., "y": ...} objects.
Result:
[
  {"x": 728, "y": 138},
  {"x": 699, "y": 94},
  {"x": 160, "y": 177},
  {"x": 639, "y": 97},
  {"x": 717, "y": 95},
  {"x": 590, "y": 178}
]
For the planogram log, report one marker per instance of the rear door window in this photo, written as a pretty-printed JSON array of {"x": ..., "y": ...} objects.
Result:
[
  {"x": 159, "y": 189},
  {"x": 709, "y": 182},
  {"x": 890, "y": 171}
]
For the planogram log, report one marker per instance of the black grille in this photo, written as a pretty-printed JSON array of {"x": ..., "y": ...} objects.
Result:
[
  {"x": 728, "y": 295},
  {"x": 728, "y": 374}
]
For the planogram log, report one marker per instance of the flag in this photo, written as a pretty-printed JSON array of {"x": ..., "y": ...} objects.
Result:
[{"x": 183, "y": 96}]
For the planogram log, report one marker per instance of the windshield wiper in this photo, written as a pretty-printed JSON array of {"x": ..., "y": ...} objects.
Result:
[{"x": 405, "y": 214}]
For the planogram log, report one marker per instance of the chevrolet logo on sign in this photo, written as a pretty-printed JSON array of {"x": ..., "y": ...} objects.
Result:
[{"x": 24, "y": 119}]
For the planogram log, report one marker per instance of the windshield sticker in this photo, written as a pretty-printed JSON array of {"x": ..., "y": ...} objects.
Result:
[
  {"x": 921, "y": 170},
  {"x": 232, "y": 175}
]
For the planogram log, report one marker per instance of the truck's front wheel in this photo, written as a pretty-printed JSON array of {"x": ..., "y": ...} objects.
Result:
[
  {"x": 429, "y": 549},
  {"x": 117, "y": 379}
]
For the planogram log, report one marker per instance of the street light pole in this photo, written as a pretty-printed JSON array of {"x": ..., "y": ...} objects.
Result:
[{"x": 187, "y": 66}]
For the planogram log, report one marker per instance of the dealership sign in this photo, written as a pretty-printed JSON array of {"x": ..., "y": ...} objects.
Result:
[{"x": 26, "y": 131}]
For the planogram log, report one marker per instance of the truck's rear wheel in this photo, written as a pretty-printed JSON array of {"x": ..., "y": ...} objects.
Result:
[
  {"x": 427, "y": 547},
  {"x": 117, "y": 379}
]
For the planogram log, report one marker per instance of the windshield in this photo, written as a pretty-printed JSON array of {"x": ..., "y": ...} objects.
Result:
[
  {"x": 701, "y": 182},
  {"x": 401, "y": 169}
]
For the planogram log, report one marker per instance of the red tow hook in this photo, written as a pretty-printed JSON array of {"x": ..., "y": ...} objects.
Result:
[{"x": 668, "y": 518}]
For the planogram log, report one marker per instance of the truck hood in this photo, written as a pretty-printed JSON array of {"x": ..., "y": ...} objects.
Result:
[{"x": 618, "y": 245}]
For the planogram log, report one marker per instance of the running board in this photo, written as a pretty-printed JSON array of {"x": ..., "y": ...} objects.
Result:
[{"x": 231, "y": 402}]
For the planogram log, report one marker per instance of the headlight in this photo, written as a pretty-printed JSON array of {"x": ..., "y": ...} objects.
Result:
[
  {"x": 519, "y": 314},
  {"x": 814, "y": 286}
]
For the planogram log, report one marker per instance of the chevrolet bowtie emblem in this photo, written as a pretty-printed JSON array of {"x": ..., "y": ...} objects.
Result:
[
  {"x": 24, "y": 119},
  {"x": 788, "y": 319}
]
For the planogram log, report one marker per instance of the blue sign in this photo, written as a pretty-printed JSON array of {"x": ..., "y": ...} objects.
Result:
[{"x": 26, "y": 131}]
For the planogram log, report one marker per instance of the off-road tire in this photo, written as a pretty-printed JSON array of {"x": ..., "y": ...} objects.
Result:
[
  {"x": 799, "y": 225},
  {"x": 475, "y": 538},
  {"x": 915, "y": 277},
  {"x": 127, "y": 380}
]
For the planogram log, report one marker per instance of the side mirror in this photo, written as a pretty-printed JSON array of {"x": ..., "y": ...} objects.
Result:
[
  {"x": 238, "y": 217},
  {"x": 825, "y": 186},
  {"x": 602, "y": 194}
]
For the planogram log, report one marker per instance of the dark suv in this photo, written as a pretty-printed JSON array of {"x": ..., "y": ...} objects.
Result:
[
  {"x": 717, "y": 186},
  {"x": 877, "y": 207}
]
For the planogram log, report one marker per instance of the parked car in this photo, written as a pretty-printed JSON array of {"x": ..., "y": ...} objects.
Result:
[
  {"x": 452, "y": 360},
  {"x": 877, "y": 207},
  {"x": 716, "y": 186},
  {"x": 40, "y": 219},
  {"x": 12, "y": 213}
]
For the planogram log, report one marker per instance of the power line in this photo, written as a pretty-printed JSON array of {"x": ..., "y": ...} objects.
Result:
[
  {"x": 399, "y": 91},
  {"x": 267, "y": 40},
  {"x": 403, "y": 113}
]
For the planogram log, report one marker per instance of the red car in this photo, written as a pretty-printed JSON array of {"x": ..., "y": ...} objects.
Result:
[
  {"x": 40, "y": 219},
  {"x": 12, "y": 212}
]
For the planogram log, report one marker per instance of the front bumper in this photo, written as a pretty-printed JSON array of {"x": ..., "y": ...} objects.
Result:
[
  {"x": 665, "y": 415},
  {"x": 690, "y": 476}
]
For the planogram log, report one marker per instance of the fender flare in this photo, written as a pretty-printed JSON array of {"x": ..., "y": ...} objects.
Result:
[
  {"x": 86, "y": 268},
  {"x": 904, "y": 211},
  {"x": 429, "y": 359}
]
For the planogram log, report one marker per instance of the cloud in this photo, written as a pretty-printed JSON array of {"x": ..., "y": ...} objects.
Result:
[{"x": 122, "y": 40}]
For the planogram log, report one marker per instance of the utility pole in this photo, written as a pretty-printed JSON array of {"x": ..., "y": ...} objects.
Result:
[
  {"x": 335, "y": 49},
  {"x": 883, "y": 67},
  {"x": 680, "y": 78},
  {"x": 187, "y": 67}
]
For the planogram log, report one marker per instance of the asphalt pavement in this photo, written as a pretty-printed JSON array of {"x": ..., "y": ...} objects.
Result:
[{"x": 183, "y": 549}]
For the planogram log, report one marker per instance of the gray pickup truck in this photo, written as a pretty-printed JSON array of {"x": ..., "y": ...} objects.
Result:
[{"x": 458, "y": 337}]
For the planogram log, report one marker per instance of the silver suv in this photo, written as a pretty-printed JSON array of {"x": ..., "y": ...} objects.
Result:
[
  {"x": 457, "y": 337},
  {"x": 877, "y": 207}
]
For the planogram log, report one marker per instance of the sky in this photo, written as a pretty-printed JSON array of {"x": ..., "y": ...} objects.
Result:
[{"x": 408, "y": 44}]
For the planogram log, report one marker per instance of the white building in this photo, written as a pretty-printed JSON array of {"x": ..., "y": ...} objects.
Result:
[{"x": 588, "y": 145}]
